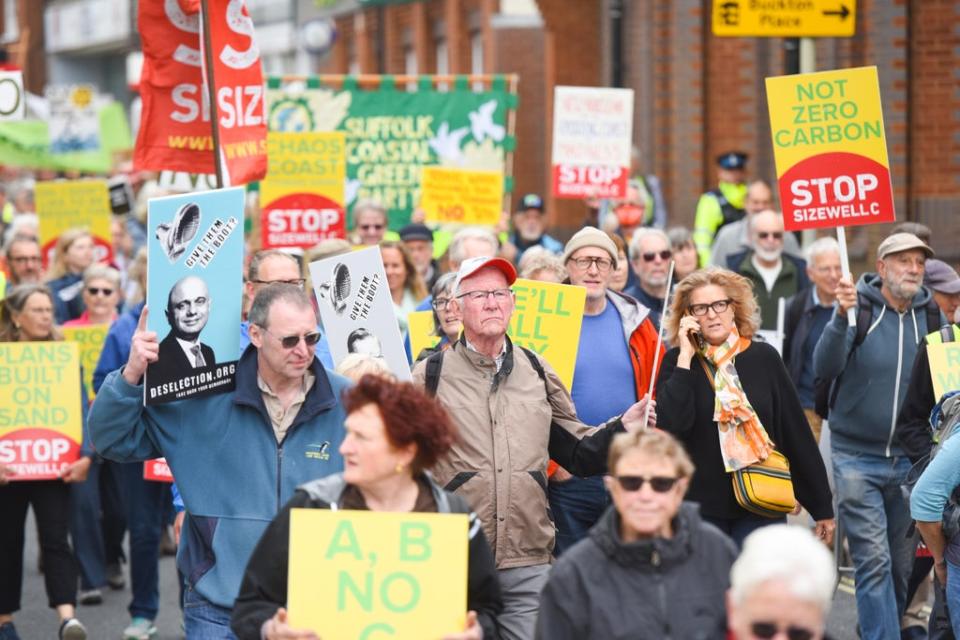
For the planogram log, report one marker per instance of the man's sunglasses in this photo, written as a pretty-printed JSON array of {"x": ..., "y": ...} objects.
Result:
[
  {"x": 660, "y": 484},
  {"x": 766, "y": 235},
  {"x": 770, "y": 629},
  {"x": 289, "y": 342},
  {"x": 650, "y": 256},
  {"x": 96, "y": 291}
]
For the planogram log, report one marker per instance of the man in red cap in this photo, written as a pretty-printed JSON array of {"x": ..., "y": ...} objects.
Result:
[{"x": 513, "y": 414}]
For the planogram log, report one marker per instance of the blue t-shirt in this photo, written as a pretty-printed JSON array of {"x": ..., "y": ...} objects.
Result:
[
  {"x": 817, "y": 324},
  {"x": 603, "y": 384}
]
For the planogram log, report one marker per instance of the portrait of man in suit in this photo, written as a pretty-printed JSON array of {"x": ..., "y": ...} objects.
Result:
[{"x": 188, "y": 309}]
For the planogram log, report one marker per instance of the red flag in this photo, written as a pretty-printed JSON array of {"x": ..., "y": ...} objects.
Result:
[{"x": 175, "y": 130}]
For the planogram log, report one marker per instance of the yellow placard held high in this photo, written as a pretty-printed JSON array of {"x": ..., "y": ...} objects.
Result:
[
  {"x": 466, "y": 197},
  {"x": 41, "y": 425},
  {"x": 547, "y": 318},
  {"x": 70, "y": 204},
  {"x": 90, "y": 341},
  {"x": 366, "y": 574},
  {"x": 944, "y": 367},
  {"x": 420, "y": 328}
]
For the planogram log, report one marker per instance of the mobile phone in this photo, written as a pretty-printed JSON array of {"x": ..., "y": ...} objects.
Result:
[{"x": 696, "y": 338}]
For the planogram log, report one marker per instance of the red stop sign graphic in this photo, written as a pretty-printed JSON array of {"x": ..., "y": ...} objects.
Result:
[{"x": 301, "y": 220}]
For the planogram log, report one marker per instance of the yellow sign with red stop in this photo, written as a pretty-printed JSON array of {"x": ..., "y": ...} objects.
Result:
[{"x": 830, "y": 148}]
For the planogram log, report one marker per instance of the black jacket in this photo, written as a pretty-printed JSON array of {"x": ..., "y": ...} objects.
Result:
[
  {"x": 264, "y": 586},
  {"x": 660, "y": 588},
  {"x": 913, "y": 422},
  {"x": 685, "y": 403}
]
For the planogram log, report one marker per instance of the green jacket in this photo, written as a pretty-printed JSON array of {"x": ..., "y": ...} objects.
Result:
[{"x": 792, "y": 278}]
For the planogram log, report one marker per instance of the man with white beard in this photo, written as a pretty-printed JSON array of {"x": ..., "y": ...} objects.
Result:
[{"x": 774, "y": 274}]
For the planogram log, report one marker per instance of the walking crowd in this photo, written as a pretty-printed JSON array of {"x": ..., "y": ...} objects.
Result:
[{"x": 620, "y": 507}]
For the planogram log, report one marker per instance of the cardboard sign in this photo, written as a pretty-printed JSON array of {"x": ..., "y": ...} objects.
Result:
[
  {"x": 420, "y": 328},
  {"x": 830, "y": 149},
  {"x": 810, "y": 19},
  {"x": 944, "y": 367},
  {"x": 465, "y": 197},
  {"x": 592, "y": 130},
  {"x": 89, "y": 341},
  {"x": 41, "y": 412},
  {"x": 74, "y": 120},
  {"x": 547, "y": 318},
  {"x": 365, "y": 574},
  {"x": 357, "y": 310},
  {"x": 69, "y": 204},
  {"x": 157, "y": 470},
  {"x": 194, "y": 291},
  {"x": 12, "y": 103},
  {"x": 302, "y": 198}
]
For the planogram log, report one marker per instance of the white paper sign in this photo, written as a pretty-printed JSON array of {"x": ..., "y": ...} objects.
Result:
[{"x": 12, "y": 100}]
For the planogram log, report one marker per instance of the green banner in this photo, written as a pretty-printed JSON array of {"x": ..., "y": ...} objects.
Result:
[{"x": 394, "y": 131}]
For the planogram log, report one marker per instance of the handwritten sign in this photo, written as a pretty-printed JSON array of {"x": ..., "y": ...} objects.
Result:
[
  {"x": 420, "y": 328},
  {"x": 944, "y": 367},
  {"x": 40, "y": 408},
  {"x": 365, "y": 574},
  {"x": 90, "y": 341},
  {"x": 467, "y": 197},
  {"x": 157, "y": 470},
  {"x": 84, "y": 204},
  {"x": 547, "y": 319}
]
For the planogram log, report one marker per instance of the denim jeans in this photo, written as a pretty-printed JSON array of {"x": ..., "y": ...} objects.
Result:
[
  {"x": 576, "y": 504},
  {"x": 145, "y": 505},
  {"x": 85, "y": 529},
  {"x": 203, "y": 620},
  {"x": 739, "y": 528},
  {"x": 875, "y": 516}
]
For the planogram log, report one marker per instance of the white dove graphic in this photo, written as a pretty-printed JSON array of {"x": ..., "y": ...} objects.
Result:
[
  {"x": 446, "y": 143},
  {"x": 482, "y": 124}
]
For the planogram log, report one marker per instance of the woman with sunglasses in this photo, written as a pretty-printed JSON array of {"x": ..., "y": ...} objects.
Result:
[
  {"x": 101, "y": 296},
  {"x": 650, "y": 567},
  {"x": 730, "y": 401},
  {"x": 781, "y": 586}
]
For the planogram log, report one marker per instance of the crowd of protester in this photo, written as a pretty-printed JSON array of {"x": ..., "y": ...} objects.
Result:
[{"x": 602, "y": 510}]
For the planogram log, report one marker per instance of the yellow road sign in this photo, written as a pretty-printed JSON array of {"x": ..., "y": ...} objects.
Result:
[{"x": 785, "y": 18}]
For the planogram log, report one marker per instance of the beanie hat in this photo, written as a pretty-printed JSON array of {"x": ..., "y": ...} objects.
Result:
[{"x": 591, "y": 237}]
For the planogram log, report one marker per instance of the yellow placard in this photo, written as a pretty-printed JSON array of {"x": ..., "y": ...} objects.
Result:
[
  {"x": 40, "y": 408},
  {"x": 90, "y": 341},
  {"x": 547, "y": 319},
  {"x": 807, "y": 19},
  {"x": 366, "y": 574},
  {"x": 944, "y": 367},
  {"x": 420, "y": 328},
  {"x": 69, "y": 204},
  {"x": 466, "y": 197}
]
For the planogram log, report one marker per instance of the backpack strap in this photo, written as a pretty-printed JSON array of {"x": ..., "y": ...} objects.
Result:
[
  {"x": 864, "y": 316},
  {"x": 432, "y": 376},
  {"x": 534, "y": 362}
]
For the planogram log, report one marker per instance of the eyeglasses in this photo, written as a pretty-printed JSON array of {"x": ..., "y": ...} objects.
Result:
[
  {"x": 499, "y": 295},
  {"x": 766, "y": 235},
  {"x": 96, "y": 291},
  {"x": 660, "y": 484},
  {"x": 441, "y": 303},
  {"x": 375, "y": 227},
  {"x": 290, "y": 342},
  {"x": 650, "y": 256},
  {"x": 297, "y": 282},
  {"x": 718, "y": 307},
  {"x": 25, "y": 259},
  {"x": 770, "y": 629},
  {"x": 603, "y": 264}
]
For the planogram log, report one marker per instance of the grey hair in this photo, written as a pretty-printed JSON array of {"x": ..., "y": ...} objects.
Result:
[
  {"x": 753, "y": 217},
  {"x": 821, "y": 246},
  {"x": 786, "y": 553},
  {"x": 647, "y": 232},
  {"x": 680, "y": 237},
  {"x": 362, "y": 206},
  {"x": 101, "y": 272},
  {"x": 471, "y": 233},
  {"x": 446, "y": 282},
  {"x": 253, "y": 270},
  {"x": 536, "y": 259},
  {"x": 269, "y": 295}
]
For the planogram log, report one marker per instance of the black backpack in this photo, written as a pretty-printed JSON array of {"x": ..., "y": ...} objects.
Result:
[
  {"x": 825, "y": 390},
  {"x": 435, "y": 365}
]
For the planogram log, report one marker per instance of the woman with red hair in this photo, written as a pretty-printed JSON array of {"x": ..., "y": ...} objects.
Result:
[{"x": 395, "y": 432}]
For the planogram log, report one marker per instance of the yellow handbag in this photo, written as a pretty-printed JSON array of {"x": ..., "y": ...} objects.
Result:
[{"x": 765, "y": 488}]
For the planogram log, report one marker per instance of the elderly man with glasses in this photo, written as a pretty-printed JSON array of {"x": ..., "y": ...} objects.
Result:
[
  {"x": 650, "y": 256},
  {"x": 513, "y": 413}
]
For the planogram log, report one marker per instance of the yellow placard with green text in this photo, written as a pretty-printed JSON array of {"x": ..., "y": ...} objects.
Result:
[
  {"x": 459, "y": 196},
  {"x": 944, "y": 367},
  {"x": 41, "y": 424},
  {"x": 420, "y": 328},
  {"x": 547, "y": 318},
  {"x": 830, "y": 148},
  {"x": 74, "y": 204},
  {"x": 90, "y": 341},
  {"x": 366, "y": 574}
]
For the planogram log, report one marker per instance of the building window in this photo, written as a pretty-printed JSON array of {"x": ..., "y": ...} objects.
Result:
[{"x": 11, "y": 25}]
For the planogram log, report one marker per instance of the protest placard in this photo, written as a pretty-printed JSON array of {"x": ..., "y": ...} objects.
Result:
[
  {"x": 592, "y": 129},
  {"x": 357, "y": 310},
  {"x": 301, "y": 199},
  {"x": 157, "y": 470},
  {"x": 194, "y": 293},
  {"x": 89, "y": 341},
  {"x": 74, "y": 120},
  {"x": 420, "y": 329},
  {"x": 547, "y": 318},
  {"x": 944, "y": 367},
  {"x": 41, "y": 423},
  {"x": 74, "y": 204},
  {"x": 364, "y": 574},
  {"x": 12, "y": 102},
  {"x": 465, "y": 197}
]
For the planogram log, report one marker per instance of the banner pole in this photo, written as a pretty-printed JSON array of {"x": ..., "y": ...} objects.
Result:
[
  {"x": 845, "y": 269},
  {"x": 211, "y": 88},
  {"x": 656, "y": 352}
]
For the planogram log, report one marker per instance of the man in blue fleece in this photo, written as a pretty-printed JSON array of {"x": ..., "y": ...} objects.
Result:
[
  {"x": 869, "y": 465},
  {"x": 238, "y": 456}
]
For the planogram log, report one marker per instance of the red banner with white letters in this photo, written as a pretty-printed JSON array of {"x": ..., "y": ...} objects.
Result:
[{"x": 175, "y": 130}]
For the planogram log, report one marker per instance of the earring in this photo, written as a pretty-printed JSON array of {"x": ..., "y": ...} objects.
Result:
[{"x": 399, "y": 468}]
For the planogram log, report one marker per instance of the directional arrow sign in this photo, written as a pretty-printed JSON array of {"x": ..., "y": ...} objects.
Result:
[{"x": 784, "y": 18}]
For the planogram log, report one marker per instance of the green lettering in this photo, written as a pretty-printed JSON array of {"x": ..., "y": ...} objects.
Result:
[
  {"x": 949, "y": 380},
  {"x": 953, "y": 356},
  {"x": 382, "y": 627},
  {"x": 364, "y": 598},
  {"x": 518, "y": 328},
  {"x": 349, "y": 545},
  {"x": 805, "y": 92},
  {"x": 558, "y": 309},
  {"x": 798, "y": 117},
  {"x": 415, "y": 542},
  {"x": 413, "y": 596},
  {"x": 536, "y": 330}
]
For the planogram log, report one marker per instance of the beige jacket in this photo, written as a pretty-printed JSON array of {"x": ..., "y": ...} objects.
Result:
[{"x": 508, "y": 431}]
